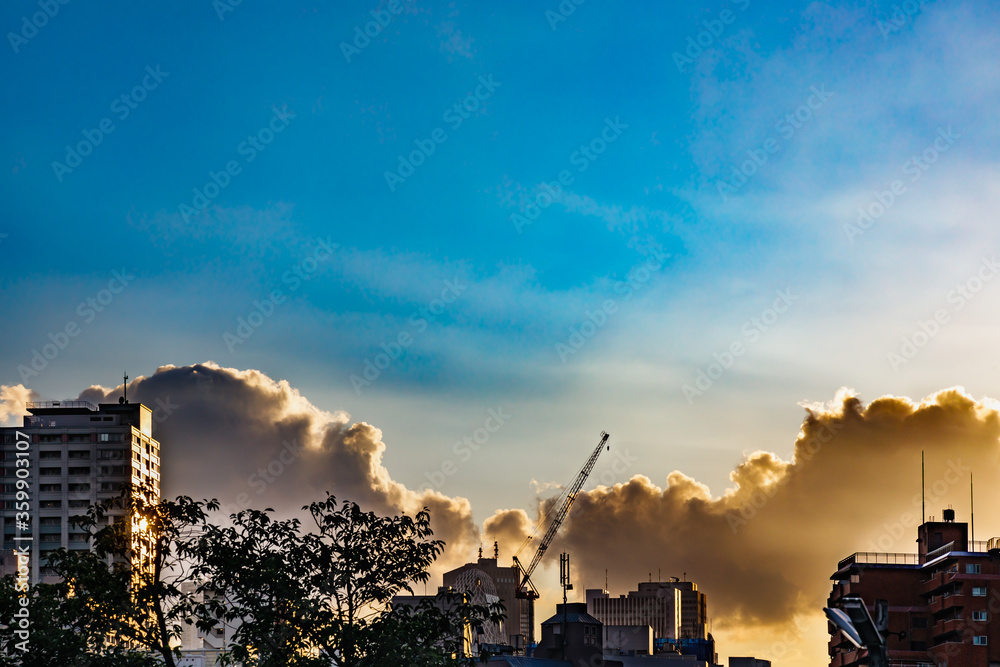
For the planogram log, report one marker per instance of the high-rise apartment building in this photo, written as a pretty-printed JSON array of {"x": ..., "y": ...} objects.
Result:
[
  {"x": 943, "y": 601},
  {"x": 65, "y": 457}
]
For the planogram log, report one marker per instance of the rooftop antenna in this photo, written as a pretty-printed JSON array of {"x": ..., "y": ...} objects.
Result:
[
  {"x": 659, "y": 575},
  {"x": 923, "y": 510},
  {"x": 605, "y": 580},
  {"x": 972, "y": 513},
  {"x": 125, "y": 389},
  {"x": 480, "y": 552},
  {"x": 496, "y": 550}
]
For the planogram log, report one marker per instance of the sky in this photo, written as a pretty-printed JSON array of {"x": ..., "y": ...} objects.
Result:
[{"x": 449, "y": 251}]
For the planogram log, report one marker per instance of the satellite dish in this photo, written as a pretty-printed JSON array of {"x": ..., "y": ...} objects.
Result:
[
  {"x": 843, "y": 621},
  {"x": 121, "y": 400}
]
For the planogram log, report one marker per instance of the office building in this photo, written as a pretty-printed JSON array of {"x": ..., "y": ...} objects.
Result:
[{"x": 674, "y": 609}]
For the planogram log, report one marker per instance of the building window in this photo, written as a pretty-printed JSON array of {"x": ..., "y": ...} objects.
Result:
[
  {"x": 919, "y": 622},
  {"x": 50, "y": 504},
  {"x": 50, "y": 472},
  {"x": 45, "y": 456},
  {"x": 77, "y": 504},
  {"x": 50, "y": 521},
  {"x": 979, "y": 591},
  {"x": 79, "y": 471},
  {"x": 972, "y": 568},
  {"x": 979, "y": 616},
  {"x": 979, "y": 640},
  {"x": 49, "y": 488},
  {"x": 103, "y": 437}
]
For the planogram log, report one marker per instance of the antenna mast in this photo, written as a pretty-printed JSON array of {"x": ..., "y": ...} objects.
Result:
[
  {"x": 972, "y": 513},
  {"x": 923, "y": 510}
]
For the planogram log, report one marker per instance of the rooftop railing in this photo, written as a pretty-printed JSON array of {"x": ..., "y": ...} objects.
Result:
[
  {"x": 44, "y": 405},
  {"x": 877, "y": 558}
]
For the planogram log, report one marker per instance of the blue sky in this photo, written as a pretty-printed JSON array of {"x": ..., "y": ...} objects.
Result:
[{"x": 869, "y": 95}]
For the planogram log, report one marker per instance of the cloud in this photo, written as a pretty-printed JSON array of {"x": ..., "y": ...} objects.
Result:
[
  {"x": 12, "y": 402},
  {"x": 764, "y": 550},
  {"x": 252, "y": 441}
]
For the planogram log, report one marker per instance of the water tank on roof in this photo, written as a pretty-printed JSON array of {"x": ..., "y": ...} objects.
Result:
[{"x": 948, "y": 514}]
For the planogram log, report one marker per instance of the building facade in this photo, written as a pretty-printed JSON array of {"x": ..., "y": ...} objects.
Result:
[
  {"x": 486, "y": 575},
  {"x": 674, "y": 609},
  {"x": 65, "y": 457},
  {"x": 943, "y": 601}
]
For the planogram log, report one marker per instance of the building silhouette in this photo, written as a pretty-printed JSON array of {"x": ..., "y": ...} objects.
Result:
[{"x": 943, "y": 601}]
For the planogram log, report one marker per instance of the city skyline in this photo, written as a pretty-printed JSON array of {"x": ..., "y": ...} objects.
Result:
[{"x": 436, "y": 249}]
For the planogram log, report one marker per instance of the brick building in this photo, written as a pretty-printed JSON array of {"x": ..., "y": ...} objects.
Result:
[{"x": 943, "y": 600}]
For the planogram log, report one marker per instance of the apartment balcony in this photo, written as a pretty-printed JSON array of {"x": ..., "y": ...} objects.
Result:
[
  {"x": 943, "y": 602},
  {"x": 950, "y": 626},
  {"x": 936, "y": 582}
]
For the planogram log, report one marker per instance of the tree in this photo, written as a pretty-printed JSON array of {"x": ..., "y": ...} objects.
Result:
[
  {"x": 155, "y": 542},
  {"x": 116, "y": 605},
  {"x": 306, "y": 599},
  {"x": 75, "y": 622}
]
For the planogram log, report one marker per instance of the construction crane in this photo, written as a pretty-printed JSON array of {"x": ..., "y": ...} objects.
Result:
[{"x": 525, "y": 589}]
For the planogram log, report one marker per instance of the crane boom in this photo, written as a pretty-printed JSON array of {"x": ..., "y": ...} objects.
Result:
[
  {"x": 563, "y": 509},
  {"x": 525, "y": 589}
]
